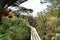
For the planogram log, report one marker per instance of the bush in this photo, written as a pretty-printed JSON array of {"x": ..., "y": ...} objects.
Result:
[
  {"x": 11, "y": 30},
  {"x": 57, "y": 37}
]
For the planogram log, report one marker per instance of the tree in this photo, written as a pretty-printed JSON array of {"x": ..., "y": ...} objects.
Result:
[
  {"x": 22, "y": 10},
  {"x": 4, "y": 4}
]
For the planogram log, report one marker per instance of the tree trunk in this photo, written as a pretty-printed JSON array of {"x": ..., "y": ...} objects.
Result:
[{"x": 0, "y": 19}]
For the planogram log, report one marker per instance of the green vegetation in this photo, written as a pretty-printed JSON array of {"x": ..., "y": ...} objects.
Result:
[
  {"x": 48, "y": 25},
  {"x": 14, "y": 29}
]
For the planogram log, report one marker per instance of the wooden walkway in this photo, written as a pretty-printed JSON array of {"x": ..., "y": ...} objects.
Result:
[{"x": 34, "y": 34}]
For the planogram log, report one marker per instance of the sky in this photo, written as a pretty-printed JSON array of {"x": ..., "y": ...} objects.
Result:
[{"x": 35, "y": 5}]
